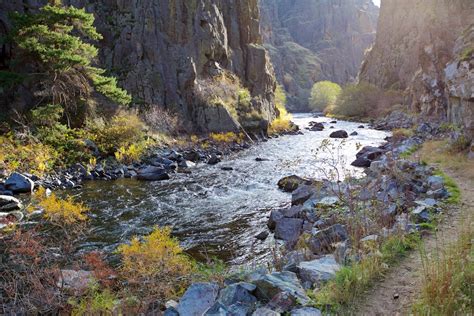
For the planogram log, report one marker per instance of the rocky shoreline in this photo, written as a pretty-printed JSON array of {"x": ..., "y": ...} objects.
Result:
[{"x": 317, "y": 234}]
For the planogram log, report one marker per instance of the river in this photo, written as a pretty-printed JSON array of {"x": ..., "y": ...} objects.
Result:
[{"x": 217, "y": 213}]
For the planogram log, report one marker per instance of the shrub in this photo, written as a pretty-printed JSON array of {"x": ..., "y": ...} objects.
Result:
[
  {"x": 283, "y": 121},
  {"x": 324, "y": 95},
  {"x": 132, "y": 153},
  {"x": 96, "y": 302},
  {"x": 122, "y": 130},
  {"x": 402, "y": 133},
  {"x": 156, "y": 267},
  {"x": 229, "y": 137},
  {"x": 161, "y": 120},
  {"x": 58, "y": 211},
  {"x": 356, "y": 100},
  {"x": 27, "y": 155},
  {"x": 53, "y": 42}
]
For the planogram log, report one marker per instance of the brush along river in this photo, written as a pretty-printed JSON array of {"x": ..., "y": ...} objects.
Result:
[{"x": 217, "y": 213}]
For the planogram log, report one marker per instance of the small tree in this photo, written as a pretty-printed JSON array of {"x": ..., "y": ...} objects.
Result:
[
  {"x": 324, "y": 95},
  {"x": 53, "y": 53},
  {"x": 357, "y": 100}
]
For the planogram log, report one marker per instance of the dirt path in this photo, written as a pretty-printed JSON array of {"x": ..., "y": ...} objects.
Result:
[{"x": 405, "y": 279}]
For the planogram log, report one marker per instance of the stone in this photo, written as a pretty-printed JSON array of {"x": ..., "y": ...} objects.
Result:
[
  {"x": 306, "y": 311},
  {"x": 227, "y": 168},
  {"x": 186, "y": 164},
  {"x": 262, "y": 235},
  {"x": 275, "y": 216},
  {"x": 361, "y": 126},
  {"x": 354, "y": 133},
  {"x": 323, "y": 240},
  {"x": 339, "y": 134},
  {"x": 378, "y": 167},
  {"x": 318, "y": 271},
  {"x": 76, "y": 281},
  {"x": 282, "y": 302},
  {"x": 291, "y": 183},
  {"x": 421, "y": 214},
  {"x": 327, "y": 201},
  {"x": 302, "y": 194},
  {"x": 264, "y": 311},
  {"x": 270, "y": 285},
  {"x": 151, "y": 173},
  {"x": 238, "y": 293},
  {"x": 18, "y": 183},
  {"x": 438, "y": 194},
  {"x": 316, "y": 127},
  {"x": 435, "y": 182},
  {"x": 361, "y": 162},
  {"x": 9, "y": 203},
  {"x": 289, "y": 229},
  {"x": 213, "y": 160},
  {"x": 192, "y": 155},
  {"x": 259, "y": 159},
  {"x": 427, "y": 202},
  {"x": 197, "y": 299}
]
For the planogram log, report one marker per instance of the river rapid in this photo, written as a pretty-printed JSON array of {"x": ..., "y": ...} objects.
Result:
[{"x": 217, "y": 213}]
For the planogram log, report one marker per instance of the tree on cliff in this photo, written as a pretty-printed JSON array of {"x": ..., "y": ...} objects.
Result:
[
  {"x": 324, "y": 95},
  {"x": 54, "y": 57}
]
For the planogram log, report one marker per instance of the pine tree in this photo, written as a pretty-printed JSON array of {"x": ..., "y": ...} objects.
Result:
[{"x": 54, "y": 49}]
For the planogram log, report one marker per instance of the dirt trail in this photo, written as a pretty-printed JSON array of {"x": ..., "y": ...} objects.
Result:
[{"x": 405, "y": 280}]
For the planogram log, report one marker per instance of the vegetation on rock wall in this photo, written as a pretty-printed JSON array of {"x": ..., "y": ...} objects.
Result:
[{"x": 283, "y": 121}]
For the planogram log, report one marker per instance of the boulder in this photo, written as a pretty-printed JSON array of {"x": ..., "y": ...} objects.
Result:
[
  {"x": 152, "y": 173},
  {"x": 291, "y": 183},
  {"x": 322, "y": 241},
  {"x": 302, "y": 194},
  {"x": 421, "y": 214},
  {"x": 316, "y": 127},
  {"x": 306, "y": 311},
  {"x": 354, "y": 133},
  {"x": 435, "y": 182},
  {"x": 75, "y": 281},
  {"x": 192, "y": 155},
  {"x": 18, "y": 183},
  {"x": 339, "y": 134},
  {"x": 361, "y": 126},
  {"x": 282, "y": 302},
  {"x": 213, "y": 160},
  {"x": 9, "y": 203},
  {"x": 186, "y": 164},
  {"x": 262, "y": 235},
  {"x": 197, "y": 299},
  {"x": 269, "y": 285},
  {"x": 318, "y": 271},
  {"x": 275, "y": 216},
  {"x": 288, "y": 229},
  {"x": 238, "y": 293}
]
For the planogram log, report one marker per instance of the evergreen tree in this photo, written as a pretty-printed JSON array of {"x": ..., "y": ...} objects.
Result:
[{"x": 52, "y": 51}]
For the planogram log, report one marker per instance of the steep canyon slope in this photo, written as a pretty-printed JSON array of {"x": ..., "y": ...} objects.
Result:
[
  {"x": 312, "y": 40},
  {"x": 426, "y": 47},
  {"x": 166, "y": 52}
]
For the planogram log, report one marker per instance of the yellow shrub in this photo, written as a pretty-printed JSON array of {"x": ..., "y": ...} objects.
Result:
[
  {"x": 59, "y": 211},
  {"x": 283, "y": 121},
  {"x": 132, "y": 153},
  {"x": 27, "y": 156},
  {"x": 229, "y": 137},
  {"x": 124, "y": 129},
  {"x": 158, "y": 261}
]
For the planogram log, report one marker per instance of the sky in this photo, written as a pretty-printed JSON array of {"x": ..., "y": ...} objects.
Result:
[{"x": 376, "y": 2}]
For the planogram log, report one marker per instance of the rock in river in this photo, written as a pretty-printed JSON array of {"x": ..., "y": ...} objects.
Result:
[
  {"x": 339, "y": 134},
  {"x": 291, "y": 183},
  {"x": 152, "y": 174}
]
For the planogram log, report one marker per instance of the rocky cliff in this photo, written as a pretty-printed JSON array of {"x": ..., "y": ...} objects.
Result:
[
  {"x": 416, "y": 40},
  {"x": 312, "y": 40},
  {"x": 163, "y": 52}
]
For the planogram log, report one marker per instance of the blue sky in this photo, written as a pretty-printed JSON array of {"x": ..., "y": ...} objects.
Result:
[{"x": 376, "y": 2}]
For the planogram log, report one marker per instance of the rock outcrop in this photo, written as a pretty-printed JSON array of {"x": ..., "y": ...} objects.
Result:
[
  {"x": 414, "y": 44},
  {"x": 164, "y": 51},
  {"x": 312, "y": 40}
]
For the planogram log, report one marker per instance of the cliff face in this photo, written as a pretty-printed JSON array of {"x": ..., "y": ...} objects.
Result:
[
  {"x": 415, "y": 40},
  {"x": 162, "y": 52},
  {"x": 312, "y": 40}
]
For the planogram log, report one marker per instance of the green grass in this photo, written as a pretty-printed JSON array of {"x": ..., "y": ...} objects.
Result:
[
  {"x": 452, "y": 187},
  {"x": 409, "y": 152},
  {"x": 351, "y": 281}
]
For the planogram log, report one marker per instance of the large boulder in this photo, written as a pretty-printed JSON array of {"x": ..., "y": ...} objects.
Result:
[
  {"x": 322, "y": 241},
  {"x": 269, "y": 285},
  {"x": 291, "y": 183},
  {"x": 289, "y": 229},
  {"x": 339, "y": 134},
  {"x": 366, "y": 155},
  {"x": 302, "y": 194},
  {"x": 318, "y": 271},
  {"x": 152, "y": 173},
  {"x": 18, "y": 183},
  {"x": 197, "y": 299}
]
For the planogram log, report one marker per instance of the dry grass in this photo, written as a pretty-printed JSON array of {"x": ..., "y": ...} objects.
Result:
[
  {"x": 448, "y": 285},
  {"x": 438, "y": 152}
]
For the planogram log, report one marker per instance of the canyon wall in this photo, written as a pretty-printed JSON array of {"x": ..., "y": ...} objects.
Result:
[
  {"x": 426, "y": 48},
  {"x": 164, "y": 51},
  {"x": 313, "y": 40}
]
